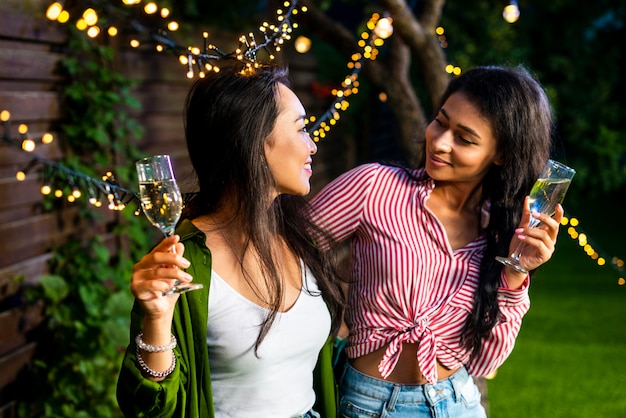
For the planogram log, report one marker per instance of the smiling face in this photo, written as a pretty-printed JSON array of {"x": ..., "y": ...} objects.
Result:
[
  {"x": 289, "y": 147},
  {"x": 460, "y": 145}
]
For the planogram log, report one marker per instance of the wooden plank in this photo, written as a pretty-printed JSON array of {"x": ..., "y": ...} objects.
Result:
[
  {"x": 15, "y": 324},
  {"x": 160, "y": 98},
  {"x": 19, "y": 212},
  {"x": 29, "y": 271},
  {"x": 27, "y": 85},
  {"x": 30, "y": 25},
  {"x": 17, "y": 193},
  {"x": 25, "y": 272},
  {"x": 28, "y": 64},
  {"x": 28, "y": 106},
  {"x": 12, "y": 363},
  {"x": 39, "y": 233},
  {"x": 13, "y": 157},
  {"x": 144, "y": 65}
]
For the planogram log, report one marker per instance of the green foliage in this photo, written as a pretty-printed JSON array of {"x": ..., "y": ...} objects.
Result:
[{"x": 86, "y": 295}]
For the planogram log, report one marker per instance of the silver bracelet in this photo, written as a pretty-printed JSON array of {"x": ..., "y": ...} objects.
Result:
[
  {"x": 154, "y": 348},
  {"x": 151, "y": 372}
]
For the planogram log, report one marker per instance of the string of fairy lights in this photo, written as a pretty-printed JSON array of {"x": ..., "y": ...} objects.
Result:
[
  {"x": 60, "y": 180},
  {"x": 145, "y": 23},
  {"x": 154, "y": 25},
  {"x": 378, "y": 29}
]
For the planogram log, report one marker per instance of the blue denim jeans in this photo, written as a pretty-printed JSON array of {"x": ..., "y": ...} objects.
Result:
[
  {"x": 309, "y": 414},
  {"x": 363, "y": 396}
]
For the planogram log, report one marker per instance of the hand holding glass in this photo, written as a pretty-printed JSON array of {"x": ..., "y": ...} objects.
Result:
[
  {"x": 548, "y": 191},
  {"x": 162, "y": 202}
]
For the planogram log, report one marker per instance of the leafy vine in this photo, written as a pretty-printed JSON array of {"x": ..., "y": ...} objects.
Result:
[{"x": 86, "y": 294}]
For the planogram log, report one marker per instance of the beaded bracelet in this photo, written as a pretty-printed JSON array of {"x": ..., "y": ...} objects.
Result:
[
  {"x": 151, "y": 372},
  {"x": 154, "y": 348}
]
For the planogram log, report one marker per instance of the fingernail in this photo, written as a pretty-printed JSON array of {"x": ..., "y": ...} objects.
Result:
[
  {"x": 536, "y": 214},
  {"x": 519, "y": 230},
  {"x": 185, "y": 263}
]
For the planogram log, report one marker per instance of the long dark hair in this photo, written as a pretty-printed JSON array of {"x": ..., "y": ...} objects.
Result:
[
  {"x": 228, "y": 117},
  {"x": 521, "y": 118}
]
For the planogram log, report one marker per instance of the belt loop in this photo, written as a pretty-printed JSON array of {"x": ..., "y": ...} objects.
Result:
[
  {"x": 393, "y": 399},
  {"x": 459, "y": 380}
]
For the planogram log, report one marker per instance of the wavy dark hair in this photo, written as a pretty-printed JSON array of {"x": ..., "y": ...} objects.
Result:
[
  {"x": 228, "y": 118},
  {"x": 521, "y": 119}
]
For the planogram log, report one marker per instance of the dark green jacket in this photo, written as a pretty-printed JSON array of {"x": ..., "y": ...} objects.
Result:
[{"x": 187, "y": 391}]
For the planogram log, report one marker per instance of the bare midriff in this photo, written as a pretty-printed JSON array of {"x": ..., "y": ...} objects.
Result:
[{"x": 407, "y": 370}]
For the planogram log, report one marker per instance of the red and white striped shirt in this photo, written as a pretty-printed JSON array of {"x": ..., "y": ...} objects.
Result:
[{"x": 409, "y": 285}]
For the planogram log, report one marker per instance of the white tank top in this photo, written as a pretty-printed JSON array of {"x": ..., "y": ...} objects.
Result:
[{"x": 279, "y": 382}]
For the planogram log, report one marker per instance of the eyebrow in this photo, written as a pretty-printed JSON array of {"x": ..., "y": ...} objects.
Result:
[
  {"x": 299, "y": 118},
  {"x": 463, "y": 127}
]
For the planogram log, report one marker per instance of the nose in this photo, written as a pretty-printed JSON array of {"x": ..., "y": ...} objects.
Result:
[
  {"x": 312, "y": 146},
  {"x": 442, "y": 142}
]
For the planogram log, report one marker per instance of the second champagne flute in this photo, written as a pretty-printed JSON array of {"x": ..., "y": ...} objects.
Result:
[
  {"x": 548, "y": 191},
  {"x": 162, "y": 202}
]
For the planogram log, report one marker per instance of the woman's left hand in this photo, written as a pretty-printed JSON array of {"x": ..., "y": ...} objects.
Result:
[{"x": 539, "y": 242}]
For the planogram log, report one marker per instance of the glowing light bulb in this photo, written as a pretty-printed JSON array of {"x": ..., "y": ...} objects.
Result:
[
  {"x": 90, "y": 16},
  {"x": 173, "y": 26},
  {"x": 93, "y": 31},
  {"x": 45, "y": 189},
  {"x": 64, "y": 17},
  {"x": 54, "y": 10},
  {"x": 81, "y": 24},
  {"x": 22, "y": 129},
  {"x": 384, "y": 28},
  {"x": 20, "y": 176},
  {"x": 302, "y": 44},
  {"x": 165, "y": 12},
  {"x": 511, "y": 12},
  {"x": 150, "y": 8},
  {"x": 47, "y": 138},
  {"x": 28, "y": 145},
  {"x": 5, "y": 115},
  {"x": 112, "y": 31}
]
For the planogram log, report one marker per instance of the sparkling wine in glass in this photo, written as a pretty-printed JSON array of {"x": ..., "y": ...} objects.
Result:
[
  {"x": 162, "y": 202},
  {"x": 548, "y": 191}
]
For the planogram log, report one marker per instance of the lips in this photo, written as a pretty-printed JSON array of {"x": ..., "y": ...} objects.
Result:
[{"x": 437, "y": 161}]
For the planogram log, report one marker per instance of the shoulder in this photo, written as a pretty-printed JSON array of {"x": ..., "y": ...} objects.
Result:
[{"x": 374, "y": 170}]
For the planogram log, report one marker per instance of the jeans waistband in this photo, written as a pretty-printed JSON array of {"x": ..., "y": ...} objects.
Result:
[{"x": 407, "y": 392}]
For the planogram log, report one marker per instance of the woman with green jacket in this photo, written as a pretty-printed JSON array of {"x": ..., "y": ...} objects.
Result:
[{"x": 248, "y": 342}]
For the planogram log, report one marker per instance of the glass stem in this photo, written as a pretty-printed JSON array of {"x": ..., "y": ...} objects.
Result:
[{"x": 518, "y": 252}]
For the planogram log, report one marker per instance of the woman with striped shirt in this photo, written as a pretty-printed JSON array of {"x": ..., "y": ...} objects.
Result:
[{"x": 428, "y": 303}]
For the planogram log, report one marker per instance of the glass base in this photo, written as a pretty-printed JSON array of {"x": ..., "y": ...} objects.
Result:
[
  {"x": 509, "y": 261},
  {"x": 183, "y": 288}
]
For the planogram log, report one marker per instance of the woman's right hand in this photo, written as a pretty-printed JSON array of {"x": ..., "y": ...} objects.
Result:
[{"x": 156, "y": 273}]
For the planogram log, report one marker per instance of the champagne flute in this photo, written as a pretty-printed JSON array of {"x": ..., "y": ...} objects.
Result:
[
  {"x": 547, "y": 192},
  {"x": 162, "y": 202}
]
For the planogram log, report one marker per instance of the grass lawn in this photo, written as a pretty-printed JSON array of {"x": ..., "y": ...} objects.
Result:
[{"x": 570, "y": 357}]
